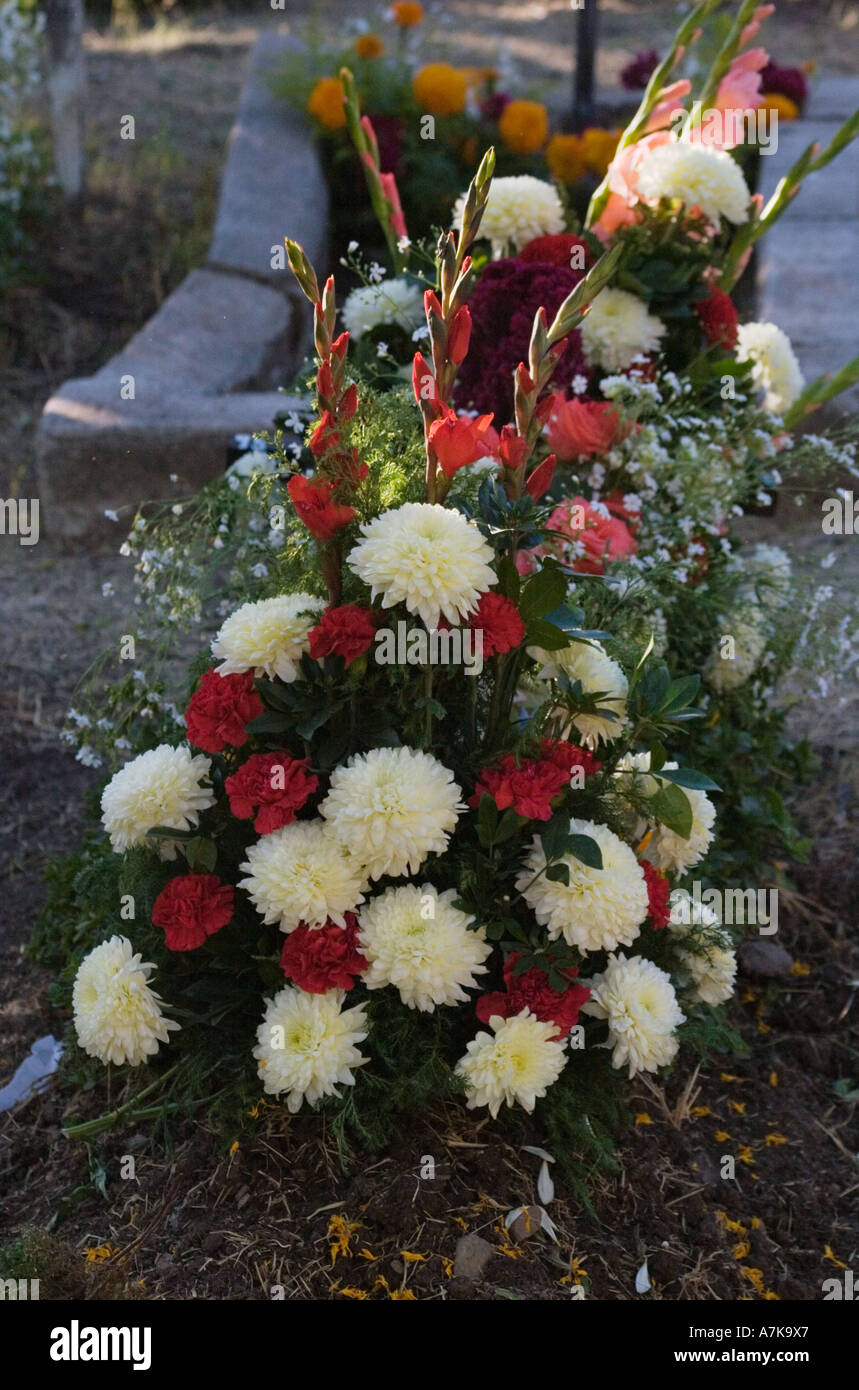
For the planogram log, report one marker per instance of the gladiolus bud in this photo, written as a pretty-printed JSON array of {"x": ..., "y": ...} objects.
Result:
[{"x": 459, "y": 336}]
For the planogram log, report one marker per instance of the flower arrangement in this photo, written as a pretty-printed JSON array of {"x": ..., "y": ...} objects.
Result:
[
  {"x": 351, "y": 862},
  {"x": 433, "y": 119}
]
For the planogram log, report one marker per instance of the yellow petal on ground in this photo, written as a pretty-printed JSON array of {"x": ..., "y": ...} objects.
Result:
[
  {"x": 773, "y": 1140},
  {"x": 738, "y": 1105},
  {"x": 721, "y": 1136},
  {"x": 773, "y": 1078},
  {"x": 699, "y": 1111},
  {"x": 410, "y": 1257},
  {"x": 728, "y": 1076},
  {"x": 828, "y": 1254},
  {"x": 643, "y": 1118},
  {"x": 800, "y": 968}
]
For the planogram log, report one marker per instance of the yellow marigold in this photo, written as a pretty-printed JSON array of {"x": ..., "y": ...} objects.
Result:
[
  {"x": 407, "y": 13},
  {"x": 598, "y": 147},
  {"x": 326, "y": 103},
  {"x": 369, "y": 46},
  {"x": 565, "y": 157},
  {"x": 440, "y": 89},
  {"x": 786, "y": 109},
  {"x": 523, "y": 126}
]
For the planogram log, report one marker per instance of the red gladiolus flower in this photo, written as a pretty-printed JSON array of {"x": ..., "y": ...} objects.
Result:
[
  {"x": 658, "y": 893},
  {"x": 324, "y": 436},
  {"x": 458, "y": 440},
  {"x": 513, "y": 450},
  {"x": 718, "y": 318},
  {"x": 272, "y": 785},
  {"x": 582, "y": 429},
  {"x": 568, "y": 756},
  {"x": 556, "y": 250},
  {"x": 392, "y": 193},
  {"x": 459, "y": 336},
  {"x": 603, "y": 536},
  {"x": 192, "y": 907},
  {"x": 347, "y": 631},
  {"x": 313, "y": 505},
  {"x": 424, "y": 383},
  {"x": 317, "y": 959},
  {"x": 532, "y": 990},
  {"x": 220, "y": 709},
  {"x": 541, "y": 479}
]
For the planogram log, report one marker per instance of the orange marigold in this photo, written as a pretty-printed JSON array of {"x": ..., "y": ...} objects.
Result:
[
  {"x": 326, "y": 103},
  {"x": 407, "y": 13},
  {"x": 523, "y": 126},
  {"x": 598, "y": 147},
  {"x": 565, "y": 157},
  {"x": 369, "y": 46},
  {"x": 440, "y": 89},
  {"x": 787, "y": 110}
]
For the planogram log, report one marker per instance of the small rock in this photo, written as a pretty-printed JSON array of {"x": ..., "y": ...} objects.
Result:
[
  {"x": 212, "y": 1243},
  {"x": 765, "y": 959},
  {"x": 527, "y": 1224},
  {"x": 473, "y": 1254}
]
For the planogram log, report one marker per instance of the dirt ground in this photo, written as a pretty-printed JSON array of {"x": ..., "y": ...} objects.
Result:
[{"x": 204, "y": 1222}]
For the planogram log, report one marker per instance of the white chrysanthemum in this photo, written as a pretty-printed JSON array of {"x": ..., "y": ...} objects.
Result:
[
  {"x": 776, "y": 370},
  {"x": 306, "y": 1045},
  {"x": 588, "y": 663},
  {"x": 268, "y": 637},
  {"x": 392, "y": 807},
  {"x": 730, "y": 666},
  {"x": 518, "y": 209},
  {"x": 117, "y": 1015},
  {"x": 599, "y": 909},
  {"x": 638, "y": 1000},
  {"x": 160, "y": 787},
  {"x": 687, "y": 913},
  {"x": 714, "y": 972},
  {"x": 669, "y": 852},
  {"x": 617, "y": 328},
  {"x": 300, "y": 873},
  {"x": 699, "y": 176},
  {"x": 515, "y": 1064},
  {"x": 427, "y": 557},
  {"x": 417, "y": 941},
  {"x": 397, "y": 302}
]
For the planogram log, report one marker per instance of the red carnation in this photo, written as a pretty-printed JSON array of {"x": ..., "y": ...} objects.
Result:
[
  {"x": 556, "y": 250},
  {"x": 532, "y": 990},
  {"x": 313, "y": 505},
  {"x": 718, "y": 318},
  {"x": 272, "y": 785},
  {"x": 528, "y": 786},
  {"x": 658, "y": 893},
  {"x": 498, "y": 619},
  {"x": 568, "y": 756},
  {"x": 321, "y": 958},
  {"x": 192, "y": 907},
  {"x": 220, "y": 709},
  {"x": 347, "y": 631}
]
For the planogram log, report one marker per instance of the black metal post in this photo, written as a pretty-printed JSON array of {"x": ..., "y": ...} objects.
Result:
[{"x": 586, "y": 42}]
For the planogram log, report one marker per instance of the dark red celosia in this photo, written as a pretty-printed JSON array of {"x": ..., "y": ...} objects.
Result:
[
  {"x": 718, "y": 318},
  {"x": 531, "y": 990},
  {"x": 658, "y": 893},
  {"x": 568, "y": 756},
  {"x": 271, "y": 787},
  {"x": 555, "y": 250},
  {"x": 317, "y": 959},
  {"x": 503, "y": 305},
  {"x": 637, "y": 72},
  {"x": 789, "y": 82},
  {"x": 192, "y": 907},
  {"x": 346, "y": 631},
  {"x": 220, "y": 709}
]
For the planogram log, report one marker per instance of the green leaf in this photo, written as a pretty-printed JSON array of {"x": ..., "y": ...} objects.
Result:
[
  {"x": 545, "y": 635},
  {"x": 586, "y": 849},
  {"x": 271, "y": 723},
  {"x": 680, "y": 693},
  {"x": 658, "y": 754},
  {"x": 507, "y": 826},
  {"x": 558, "y": 873},
  {"x": 555, "y": 837},
  {"x": 166, "y": 832},
  {"x": 542, "y": 592},
  {"x": 202, "y": 855},
  {"x": 670, "y": 806},
  {"x": 315, "y": 720},
  {"x": 509, "y": 579},
  {"x": 687, "y": 777},
  {"x": 487, "y": 819}
]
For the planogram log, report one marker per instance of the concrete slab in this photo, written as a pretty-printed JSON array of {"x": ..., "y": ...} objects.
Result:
[{"x": 208, "y": 364}]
